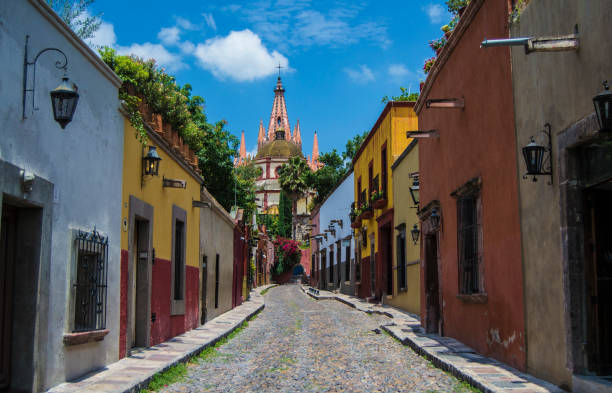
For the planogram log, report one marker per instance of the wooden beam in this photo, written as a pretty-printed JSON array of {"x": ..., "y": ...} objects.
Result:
[
  {"x": 553, "y": 44},
  {"x": 423, "y": 134}
]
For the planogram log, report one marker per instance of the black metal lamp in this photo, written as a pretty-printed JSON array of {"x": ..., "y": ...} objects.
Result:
[
  {"x": 415, "y": 233},
  {"x": 435, "y": 218},
  {"x": 414, "y": 189},
  {"x": 603, "y": 108},
  {"x": 64, "y": 99},
  {"x": 150, "y": 162},
  {"x": 534, "y": 155}
]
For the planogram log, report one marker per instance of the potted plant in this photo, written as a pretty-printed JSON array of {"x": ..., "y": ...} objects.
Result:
[
  {"x": 447, "y": 31},
  {"x": 366, "y": 212},
  {"x": 379, "y": 200},
  {"x": 355, "y": 220},
  {"x": 428, "y": 64},
  {"x": 437, "y": 45}
]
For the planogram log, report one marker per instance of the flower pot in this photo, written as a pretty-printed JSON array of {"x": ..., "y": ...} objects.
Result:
[
  {"x": 447, "y": 34},
  {"x": 461, "y": 11},
  {"x": 439, "y": 50},
  {"x": 356, "y": 224},
  {"x": 366, "y": 215},
  {"x": 421, "y": 86},
  {"x": 380, "y": 203}
]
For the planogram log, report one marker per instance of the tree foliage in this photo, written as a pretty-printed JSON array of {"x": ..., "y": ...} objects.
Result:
[
  {"x": 285, "y": 217},
  {"x": 352, "y": 147},
  {"x": 213, "y": 144},
  {"x": 325, "y": 179},
  {"x": 455, "y": 5},
  {"x": 405, "y": 96},
  {"x": 245, "y": 176},
  {"x": 75, "y": 14},
  {"x": 293, "y": 177}
]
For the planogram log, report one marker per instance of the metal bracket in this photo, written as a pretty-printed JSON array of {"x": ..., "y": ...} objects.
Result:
[
  {"x": 58, "y": 64},
  {"x": 560, "y": 43},
  {"x": 174, "y": 183},
  {"x": 423, "y": 134}
]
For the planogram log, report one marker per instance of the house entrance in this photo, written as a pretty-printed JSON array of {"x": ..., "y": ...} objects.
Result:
[
  {"x": 139, "y": 283},
  {"x": 8, "y": 234},
  {"x": 598, "y": 239},
  {"x": 432, "y": 285},
  {"x": 385, "y": 251}
]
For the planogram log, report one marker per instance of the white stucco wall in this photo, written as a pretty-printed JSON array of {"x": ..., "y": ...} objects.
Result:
[
  {"x": 217, "y": 237},
  {"x": 84, "y": 162},
  {"x": 337, "y": 206}
]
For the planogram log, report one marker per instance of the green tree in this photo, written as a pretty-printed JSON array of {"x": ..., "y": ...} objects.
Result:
[
  {"x": 293, "y": 178},
  {"x": 75, "y": 14},
  {"x": 326, "y": 178},
  {"x": 455, "y": 5},
  {"x": 285, "y": 216},
  {"x": 352, "y": 147},
  {"x": 405, "y": 96}
]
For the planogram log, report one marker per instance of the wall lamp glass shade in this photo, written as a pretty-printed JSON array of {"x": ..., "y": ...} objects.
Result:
[
  {"x": 414, "y": 191},
  {"x": 533, "y": 154},
  {"x": 603, "y": 108},
  {"x": 151, "y": 162},
  {"x": 64, "y": 99},
  {"x": 435, "y": 218},
  {"x": 415, "y": 233}
]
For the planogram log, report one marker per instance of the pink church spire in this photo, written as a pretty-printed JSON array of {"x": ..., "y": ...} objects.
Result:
[
  {"x": 315, "y": 164},
  {"x": 261, "y": 137},
  {"x": 278, "y": 117},
  {"x": 242, "y": 153},
  {"x": 297, "y": 137}
]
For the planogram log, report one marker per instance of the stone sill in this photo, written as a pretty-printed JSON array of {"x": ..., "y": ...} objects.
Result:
[
  {"x": 84, "y": 337},
  {"x": 476, "y": 298}
]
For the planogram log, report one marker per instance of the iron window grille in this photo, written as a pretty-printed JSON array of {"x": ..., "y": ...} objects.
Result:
[
  {"x": 91, "y": 281},
  {"x": 347, "y": 267},
  {"x": 179, "y": 259},
  {"x": 401, "y": 260},
  {"x": 468, "y": 241}
]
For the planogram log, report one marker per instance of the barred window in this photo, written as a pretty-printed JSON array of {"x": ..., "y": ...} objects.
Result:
[
  {"x": 468, "y": 242},
  {"x": 91, "y": 281}
]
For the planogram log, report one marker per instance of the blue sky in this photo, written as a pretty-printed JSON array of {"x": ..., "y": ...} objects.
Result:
[{"x": 342, "y": 57}]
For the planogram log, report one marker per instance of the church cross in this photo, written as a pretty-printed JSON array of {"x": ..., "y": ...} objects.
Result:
[{"x": 279, "y": 68}]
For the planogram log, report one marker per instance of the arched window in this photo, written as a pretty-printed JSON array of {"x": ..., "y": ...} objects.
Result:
[{"x": 278, "y": 121}]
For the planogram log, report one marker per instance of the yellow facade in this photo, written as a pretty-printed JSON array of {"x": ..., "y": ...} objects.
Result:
[
  {"x": 161, "y": 198},
  {"x": 406, "y": 213},
  {"x": 397, "y": 118}
]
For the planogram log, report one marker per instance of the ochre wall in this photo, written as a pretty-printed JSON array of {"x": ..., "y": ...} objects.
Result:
[
  {"x": 162, "y": 199},
  {"x": 478, "y": 141},
  {"x": 404, "y": 212}
]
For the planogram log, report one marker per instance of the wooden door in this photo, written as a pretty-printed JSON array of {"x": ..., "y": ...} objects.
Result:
[
  {"x": 204, "y": 281},
  {"x": 432, "y": 294},
  {"x": 8, "y": 234},
  {"x": 599, "y": 281}
]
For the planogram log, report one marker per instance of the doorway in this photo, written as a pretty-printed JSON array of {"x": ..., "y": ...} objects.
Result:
[
  {"x": 139, "y": 285},
  {"x": 386, "y": 248},
  {"x": 432, "y": 285},
  {"x": 8, "y": 240},
  {"x": 598, "y": 239},
  {"x": 372, "y": 266},
  {"x": 204, "y": 288}
]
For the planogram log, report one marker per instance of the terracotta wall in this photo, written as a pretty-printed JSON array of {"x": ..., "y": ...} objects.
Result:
[{"x": 477, "y": 142}]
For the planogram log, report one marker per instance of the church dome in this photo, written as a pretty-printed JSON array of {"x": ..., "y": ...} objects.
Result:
[{"x": 279, "y": 148}]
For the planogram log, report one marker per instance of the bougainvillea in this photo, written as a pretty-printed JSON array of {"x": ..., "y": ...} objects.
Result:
[
  {"x": 288, "y": 254},
  {"x": 428, "y": 64}
]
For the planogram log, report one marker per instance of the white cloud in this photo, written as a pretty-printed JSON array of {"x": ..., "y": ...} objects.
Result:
[
  {"x": 104, "y": 36},
  {"x": 169, "y": 35},
  {"x": 398, "y": 70},
  {"x": 185, "y": 24},
  {"x": 187, "y": 47},
  {"x": 362, "y": 75},
  {"x": 434, "y": 12},
  {"x": 253, "y": 151},
  {"x": 162, "y": 56},
  {"x": 210, "y": 21},
  {"x": 240, "y": 56},
  {"x": 296, "y": 23}
]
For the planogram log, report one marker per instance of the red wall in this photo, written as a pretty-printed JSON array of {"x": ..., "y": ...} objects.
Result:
[
  {"x": 478, "y": 141},
  {"x": 165, "y": 325}
]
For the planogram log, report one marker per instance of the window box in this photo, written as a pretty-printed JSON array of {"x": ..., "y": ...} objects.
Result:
[
  {"x": 380, "y": 203},
  {"x": 85, "y": 337},
  {"x": 356, "y": 224},
  {"x": 367, "y": 214}
]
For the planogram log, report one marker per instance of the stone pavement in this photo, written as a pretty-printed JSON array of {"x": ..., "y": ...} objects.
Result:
[
  {"x": 300, "y": 345},
  {"x": 134, "y": 373},
  {"x": 488, "y": 375}
]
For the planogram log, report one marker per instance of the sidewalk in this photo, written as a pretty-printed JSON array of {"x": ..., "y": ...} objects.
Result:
[
  {"x": 134, "y": 373},
  {"x": 486, "y": 374}
]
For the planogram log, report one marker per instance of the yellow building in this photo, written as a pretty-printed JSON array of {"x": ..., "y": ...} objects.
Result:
[
  {"x": 406, "y": 249},
  {"x": 160, "y": 239},
  {"x": 374, "y": 197}
]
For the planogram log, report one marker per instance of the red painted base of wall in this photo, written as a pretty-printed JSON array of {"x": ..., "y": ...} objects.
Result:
[{"x": 165, "y": 326}]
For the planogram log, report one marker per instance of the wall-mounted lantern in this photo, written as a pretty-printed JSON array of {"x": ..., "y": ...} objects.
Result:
[
  {"x": 415, "y": 233},
  {"x": 364, "y": 237},
  {"x": 435, "y": 219},
  {"x": 64, "y": 98},
  {"x": 150, "y": 162},
  {"x": 536, "y": 156},
  {"x": 339, "y": 222},
  {"x": 415, "y": 188},
  {"x": 603, "y": 108}
]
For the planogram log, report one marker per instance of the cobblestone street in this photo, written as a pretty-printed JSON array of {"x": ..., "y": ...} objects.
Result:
[{"x": 299, "y": 344}]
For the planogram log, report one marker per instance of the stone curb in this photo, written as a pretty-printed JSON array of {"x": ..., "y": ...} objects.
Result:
[
  {"x": 446, "y": 353},
  {"x": 95, "y": 382}
]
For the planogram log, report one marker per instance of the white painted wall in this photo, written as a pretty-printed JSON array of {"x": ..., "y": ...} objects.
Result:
[
  {"x": 84, "y": 162},
  {"x": 337, "y": 206}
]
